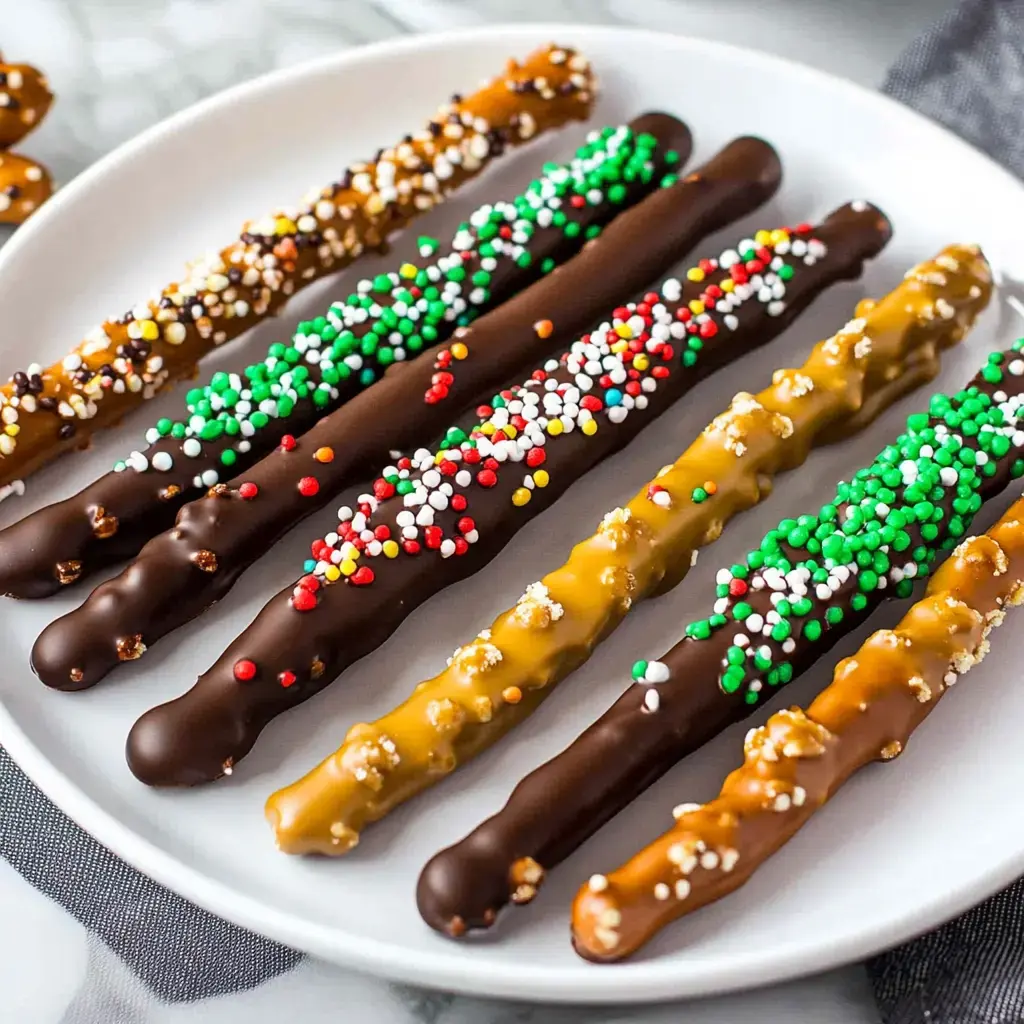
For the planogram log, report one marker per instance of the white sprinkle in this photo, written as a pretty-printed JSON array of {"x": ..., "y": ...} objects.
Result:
[
  {"x": 191, "y": 448},
  {"x": 652, "y": 701},
  {"x": 162, "y": 462}
]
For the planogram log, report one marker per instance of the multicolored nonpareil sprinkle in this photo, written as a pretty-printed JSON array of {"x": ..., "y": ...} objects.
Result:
[
  {"x": 393, "y": 316},
  {"x": 423, "y": 503},
  {"x": 883, "y": 529}
]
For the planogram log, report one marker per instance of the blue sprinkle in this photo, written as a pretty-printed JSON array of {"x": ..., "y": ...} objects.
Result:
[
  {"x": 613, "y": 396},
  {"x": 309, "y": 565}
]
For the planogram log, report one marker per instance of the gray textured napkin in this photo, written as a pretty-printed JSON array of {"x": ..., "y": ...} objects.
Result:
[{"x": 967, "y": 72}]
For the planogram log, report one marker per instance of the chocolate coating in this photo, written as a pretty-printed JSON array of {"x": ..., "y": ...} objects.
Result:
[
  {"x": 141, "y": 505},
  {"x": 163, "y": 589},
  {"x": 198, "y": 736}
]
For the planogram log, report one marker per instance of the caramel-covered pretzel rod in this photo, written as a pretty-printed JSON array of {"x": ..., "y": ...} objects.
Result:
[
  {"x": 47, "y": 411},
  {"x": 432, "y": 721},
  {"x": 441, "y": 515},
  {"x": 237, "y": 419},
  {"x": 163, "y": 589},
  {"x": 892, "y": 346},
  {"x": 798, "y": 760}
]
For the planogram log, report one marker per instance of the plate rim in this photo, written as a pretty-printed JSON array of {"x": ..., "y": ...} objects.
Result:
[{"x": 643, "y": 982}]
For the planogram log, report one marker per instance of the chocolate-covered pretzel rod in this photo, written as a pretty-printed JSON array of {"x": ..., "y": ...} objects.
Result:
[
  {"x": 552, "y": 811},
  {"x": 441, "y": 515},
  {"x": 163, "y": 588},
  {"x": 798, "y": 760},
  {"x": 47, "y": 411},
  {"x": 236, "y": 419}
]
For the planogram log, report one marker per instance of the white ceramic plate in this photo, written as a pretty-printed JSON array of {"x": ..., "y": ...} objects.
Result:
[{"x": 906, "y": 846}]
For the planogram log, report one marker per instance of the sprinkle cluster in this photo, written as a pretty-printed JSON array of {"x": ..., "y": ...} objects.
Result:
[
  {"x": 882, "y": 530},
  {"x": 392, "y": 316},
  {"x": 275, "y": 255},
  {"x": 423, "y": 502}
]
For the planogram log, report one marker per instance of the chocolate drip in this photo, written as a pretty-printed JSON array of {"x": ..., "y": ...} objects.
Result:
[
  {"x": 196, "y": 737},
  {"x": 146, "y": 503},
  {"x": 162, "y": 589},
  {"x": 629, "y": 748}
]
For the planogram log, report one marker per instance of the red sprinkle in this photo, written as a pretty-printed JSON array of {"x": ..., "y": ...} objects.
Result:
[
  {"x": 660, "y": 372},
  {"x": 466, "y": 525},
  {"x": 708, "y": 329},
  {"x": 448, "y": 468},
  {"x": 245, "y": 670},
  {"x": 411, "y": 547},
  {"x": 591, "y": 402},
  {"x": 286, "y": 678},
  {"x": 487, "y": 478},
  {"x": 461, "y": 545},
  {"x": 288, "y": 443},
  {"x": 534, "y": 457},
  {"x": 303, "y": 600},
  {"x": 382, "y": 489},
  {"x": 737, "y": 588},
  {"x": 458, "y": 502},
  {"x": 432, "y": 537},
  {"x": 491, "y": 464},
  {"x": 484, "y": 412},
  {"x": 652, "y": 298},
  {"x": 308, "y": 486},
  {"x": 309, "y": 582},
  {"x": 382, "y": 532},
  {"x": 578, "y": 201},
  {"x": 248, "y": 491},
  {"x": 362, "y": 576}
]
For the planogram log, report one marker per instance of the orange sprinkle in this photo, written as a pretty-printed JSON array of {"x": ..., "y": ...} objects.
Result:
[
  {"x": 544, "y": 328},
  {"x": 459, "y": 351},
  {"x": 512, "y": 694},
  {"x": 327, "y": 455},
  {"x": 710, "y": 486}
]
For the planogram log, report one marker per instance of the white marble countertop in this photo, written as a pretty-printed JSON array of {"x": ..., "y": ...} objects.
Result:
[{"x": 118, "y": 66}]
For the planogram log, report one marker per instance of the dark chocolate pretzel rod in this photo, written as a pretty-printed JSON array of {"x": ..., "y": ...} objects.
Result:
[
  {"x": 843, "y": 384},
  {"x": 165, "y": 586},
  {"x": 798, "y": 760},
  {"x": 555, "y": 808},
  {"x": 47, "y": 411},
  {"x": 238, "y": 418},
  {"x": 454, "y": 509}
]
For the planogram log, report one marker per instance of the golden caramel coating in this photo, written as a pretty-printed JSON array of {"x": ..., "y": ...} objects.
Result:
[
  {"x": 796, "y": 761},
  {"x": 24, "y": 186},
  {"x": 125, "y": 361},
  {"x": 25, "y": 98},
  {"x": 498, "y": 679}
]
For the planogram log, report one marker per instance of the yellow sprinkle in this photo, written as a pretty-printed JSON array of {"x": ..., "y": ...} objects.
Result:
[
  {"x": 150, "y": 331},
  {"x": 778, "y": 235},
  {"x": 620, "y": 346},
  {"x": 510, "y": 431},
  {"x": 285, "y": 226},
  {"x": 439, "y": 457},
  {"x": 12, "y": 429},
  {"x": 727, "y": 285},
  {"x": 555, "y": 427},
  {"x": 589, "y": 428},
  {"x": 520, "y": 496},
  {"x": 540, "y": 476},
  {"x": 390, "y": 549},
  {"x": 347, "y": 566},
  {"x": 624, "y": 331},
  {"x": 488, "y": 429},
  {"x": 332, "y": 572},
  {"x": 695, "y": 274},
  {"x": 763, "y": 237},
  {"x": 696, "y": 307},
  {"x": 640, "y": 361},
  {"x": 407, "y": 270},
  {"x": 459, "y": 351}
]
